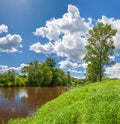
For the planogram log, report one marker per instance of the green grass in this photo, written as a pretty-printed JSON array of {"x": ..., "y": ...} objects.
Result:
[{"x": 97, "y": 103}]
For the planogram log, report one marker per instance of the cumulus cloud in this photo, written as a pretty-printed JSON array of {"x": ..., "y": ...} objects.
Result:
[
  {"x": 38, "y": 48},
  {"x": 68, "y": 64},
  {"x": 70, "y": 22},
  {"x": 115, "y": 23},
  {"x": 5, "y": 68},
  {"x": 10, "y": 43},
  {"x": 67, "y": 35},
  {"x": 114, "y": 71},
  {"x": 3, "y": 28}
]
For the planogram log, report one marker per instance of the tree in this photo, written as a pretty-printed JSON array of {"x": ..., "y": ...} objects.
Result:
[
  {"x": 3, "y": 78},
  {"x": 44, "y": 75},
  {"x": 38, "y": 74},
  {"x": 59, "y": 78},
  {"x": 32, "y": 71},
  {"x": 68, "y": 74},
  {"x": 50, "y": 62},
  {"x": 11, "y": 75},
  {"x": 100, "y": 46}
]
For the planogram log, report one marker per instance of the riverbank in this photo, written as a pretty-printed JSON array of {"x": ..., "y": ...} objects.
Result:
[{"x": 97, "y": 103}]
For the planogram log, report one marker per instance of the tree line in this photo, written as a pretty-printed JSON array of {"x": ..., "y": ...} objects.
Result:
[{"x": 38, "y": 74}]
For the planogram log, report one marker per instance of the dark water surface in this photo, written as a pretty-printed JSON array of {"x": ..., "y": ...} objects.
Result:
[{"x": 24, "y": 101}]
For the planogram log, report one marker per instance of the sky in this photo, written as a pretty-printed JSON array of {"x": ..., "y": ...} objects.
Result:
[{"x": 37, "y": 29}]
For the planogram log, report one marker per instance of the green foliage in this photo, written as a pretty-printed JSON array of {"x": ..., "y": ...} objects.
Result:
[
  {"x": 39, "y": 74},
  {"x": 20, "y": 81},
  {"x": 77, "y": 82},
  {"x": 59, "y": 77},
  {"x": 36, "y": 74},
  {"x": 93, "y": 104},
  {"x": 100, "y": 47},
  {"x": 45, "y": 76},
  {"x": 50, "y": 62},
  {"x": 11, "y": 75},
  {"x": 3, "y": 79},
  {"x": 68, "y": 74},
  {"x": 31, "y": 71},
  {"x": 7, "y": 78}
]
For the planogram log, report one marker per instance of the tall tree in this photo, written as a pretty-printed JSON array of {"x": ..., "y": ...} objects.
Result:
[
  {"x": 32, "y": 72},
  {"x": 50, "y": 62},
  {"x": 11, "y": 75},
  {"x": 44, "y": 75},
  {"x": 100, "y": 47},
  {"x": 38, "y": 74},
  {"x": 68, "y": 75}
]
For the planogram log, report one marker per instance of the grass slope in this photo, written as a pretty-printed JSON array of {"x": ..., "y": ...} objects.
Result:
[{"x": 97, "y": 103}]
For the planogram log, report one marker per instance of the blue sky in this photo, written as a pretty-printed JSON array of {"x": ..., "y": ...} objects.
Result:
[{"x": 36, "y": 29}]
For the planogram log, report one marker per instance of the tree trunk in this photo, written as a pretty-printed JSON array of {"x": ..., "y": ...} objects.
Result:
[{"x": 100, "y": 75}]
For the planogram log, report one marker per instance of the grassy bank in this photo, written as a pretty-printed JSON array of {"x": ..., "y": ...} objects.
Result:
[{"x": 97, "y": 103}]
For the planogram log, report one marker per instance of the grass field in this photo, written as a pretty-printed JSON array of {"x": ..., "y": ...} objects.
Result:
[{"x": 97, "y": 103}]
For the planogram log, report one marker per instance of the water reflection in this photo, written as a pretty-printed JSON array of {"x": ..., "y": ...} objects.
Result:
[
  {"x": 23, "y": 93},
  {"x": 23, "y": 101}
]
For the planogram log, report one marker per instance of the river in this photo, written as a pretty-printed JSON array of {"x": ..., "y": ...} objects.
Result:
[{"x": 17, "y": 102}]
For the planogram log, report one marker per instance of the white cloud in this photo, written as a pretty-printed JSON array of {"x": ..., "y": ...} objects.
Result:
[
  {"x": 5, "y": 68},
  {"x": 10, "y": 43},
  {"x": 67, "y": 35},
  {"x": 71, "y": 46},
  {"x": 73, "y": 67},
  {"x": 38, "y": 48},
  {"x": 68, "y": 64},
  {"x": 3, "y": 28},
  {"x": 114, "y": 71},
  {"x": 18, "y": 69},
  {"x": 70, "y": 23},
  {"x": 84, "y": 65},
  {"x": 115, "y": 23},
  {"x": 75, "y": 71},
  {"x": 112, "y": 58}
]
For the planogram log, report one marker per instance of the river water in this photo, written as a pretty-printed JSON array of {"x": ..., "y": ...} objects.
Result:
[{"x": 17, "y": 102}]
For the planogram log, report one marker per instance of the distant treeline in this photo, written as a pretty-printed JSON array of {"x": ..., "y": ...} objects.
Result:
[{"x": 39, "y": 74}]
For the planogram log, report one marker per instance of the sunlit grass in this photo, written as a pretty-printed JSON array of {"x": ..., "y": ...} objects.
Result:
[{"x": 97, "y": 103}]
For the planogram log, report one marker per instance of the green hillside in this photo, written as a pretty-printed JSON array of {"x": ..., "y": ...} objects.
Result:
[{"x": 97, "y": 103}]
